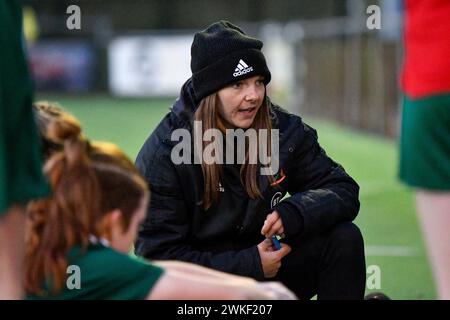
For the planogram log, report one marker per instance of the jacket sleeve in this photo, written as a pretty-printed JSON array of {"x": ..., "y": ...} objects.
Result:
[
  {"x": 165, "y": 231},
  {"x": 322, "y": 193}
]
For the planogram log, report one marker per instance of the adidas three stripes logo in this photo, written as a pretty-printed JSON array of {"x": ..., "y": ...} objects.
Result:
[{"x": 242, "y": 68}]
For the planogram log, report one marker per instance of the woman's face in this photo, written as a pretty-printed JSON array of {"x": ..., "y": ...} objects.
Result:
[
  {"x": 239, "y": 102},
  {"x": 122, "y": 240}
]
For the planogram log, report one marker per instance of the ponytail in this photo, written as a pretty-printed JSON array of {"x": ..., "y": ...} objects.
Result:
[
  {"x": 88, "y": 181},
  {"x": 55, "y": 126},
  {"x": 66, "y": 218}
]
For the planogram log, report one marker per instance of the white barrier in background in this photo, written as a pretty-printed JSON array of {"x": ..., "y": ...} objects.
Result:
[
  {"x": 158, "y": 65},
  {"x": 154, "y": 65}
]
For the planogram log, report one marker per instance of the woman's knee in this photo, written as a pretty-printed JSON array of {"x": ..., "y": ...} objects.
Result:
[{"x": 347, "y": 236}]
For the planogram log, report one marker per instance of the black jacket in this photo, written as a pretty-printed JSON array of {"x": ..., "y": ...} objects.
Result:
[{"x": 225, "y": 237}]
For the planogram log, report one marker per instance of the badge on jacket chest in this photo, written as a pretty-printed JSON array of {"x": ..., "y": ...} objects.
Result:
[{"x": 275, "y": 199}]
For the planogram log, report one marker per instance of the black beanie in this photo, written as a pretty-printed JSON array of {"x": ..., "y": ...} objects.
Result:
[{"x": 223, "y": 54}]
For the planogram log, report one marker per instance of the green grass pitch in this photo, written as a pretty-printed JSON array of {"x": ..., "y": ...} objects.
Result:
[{"x": 387, "y": 217}]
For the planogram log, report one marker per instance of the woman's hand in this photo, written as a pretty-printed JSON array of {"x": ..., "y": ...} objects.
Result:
[
  {"x": 271, "y": 259},
  {"x": 273, "y": 225}
]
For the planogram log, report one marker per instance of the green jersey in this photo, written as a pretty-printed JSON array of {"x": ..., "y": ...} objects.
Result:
[
  {"x": 102, "y": 273},
  {"x": 21, "y": 177}
]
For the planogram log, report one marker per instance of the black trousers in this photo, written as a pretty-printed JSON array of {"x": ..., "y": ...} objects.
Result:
[{"x": 331, "y": 265}]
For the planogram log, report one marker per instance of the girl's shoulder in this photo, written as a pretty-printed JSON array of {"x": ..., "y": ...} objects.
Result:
[
  {"x": 100, "y": 272},
  {"x": 288, "y": 123}
]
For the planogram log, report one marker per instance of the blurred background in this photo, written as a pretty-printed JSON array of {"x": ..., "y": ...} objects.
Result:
[{"x": 120, "y": 72}]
